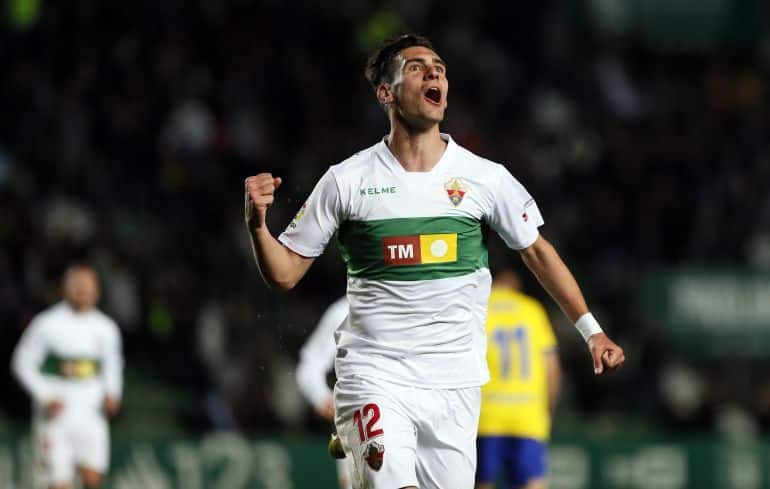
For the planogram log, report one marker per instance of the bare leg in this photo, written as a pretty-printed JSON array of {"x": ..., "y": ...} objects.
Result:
[
  {"x": 485, "y": 485},
  {"x": 91, "y": 478}
]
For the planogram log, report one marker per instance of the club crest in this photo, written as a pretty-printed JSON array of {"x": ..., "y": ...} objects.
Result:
[
  {"x": 456, "y": 190},
  {"x": 373, "y": 454}
]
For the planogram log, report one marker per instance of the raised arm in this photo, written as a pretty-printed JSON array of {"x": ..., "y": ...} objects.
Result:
[
  {"x": 546, "y": 264},
  {"x": 279, "y": 266}
]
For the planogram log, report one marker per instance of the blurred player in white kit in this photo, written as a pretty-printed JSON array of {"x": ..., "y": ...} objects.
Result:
[
  {"x": 316, "y": 359},
  {"x": 70, "y": 362}
]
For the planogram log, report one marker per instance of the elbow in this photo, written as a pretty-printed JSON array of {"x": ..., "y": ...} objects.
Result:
[
  {"x": 282, "y": 284},
  {"x": 538, "y": 253}
]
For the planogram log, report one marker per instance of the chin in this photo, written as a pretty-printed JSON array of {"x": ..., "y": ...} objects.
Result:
[{"x": 435, "y": 118}]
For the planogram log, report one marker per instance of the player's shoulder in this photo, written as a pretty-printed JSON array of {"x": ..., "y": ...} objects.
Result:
[
  {"x": 474, "y": 162},
  {"x": 106, "y": 321},
  {"x": 50, "y": 313},
  {"x": 356, "y": 164},
  {"x": 46, "y": 322}
]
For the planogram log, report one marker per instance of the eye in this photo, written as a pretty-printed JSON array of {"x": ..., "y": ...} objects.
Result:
[{"x": 414, "y": 67}]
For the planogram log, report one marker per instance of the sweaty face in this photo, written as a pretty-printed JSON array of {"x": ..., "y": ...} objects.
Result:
[
  {"x": 420, "y": 86},
  {"x": 81, "y": 288}
]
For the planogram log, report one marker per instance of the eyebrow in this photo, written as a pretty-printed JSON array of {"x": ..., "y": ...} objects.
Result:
[{"x": 437, "y": 61}]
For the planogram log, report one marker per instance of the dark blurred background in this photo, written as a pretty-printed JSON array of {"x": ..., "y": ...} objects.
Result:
[{"x": 640, "y": 126}]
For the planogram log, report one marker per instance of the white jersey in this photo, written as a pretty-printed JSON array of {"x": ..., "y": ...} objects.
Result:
[
  {"x": 316, "y": 357},
  {"x": 414, "y": 245},
  {"x": 71, "y": 356}
]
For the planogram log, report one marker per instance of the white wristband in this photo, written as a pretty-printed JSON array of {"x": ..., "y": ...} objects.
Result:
[{"x": 588, "y": 326}]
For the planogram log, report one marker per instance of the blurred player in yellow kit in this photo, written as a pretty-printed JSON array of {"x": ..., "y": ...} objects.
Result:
[{"x": 518, "y": 401}]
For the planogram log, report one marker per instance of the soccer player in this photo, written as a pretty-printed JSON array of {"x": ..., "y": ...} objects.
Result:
[
  {"x": 410, "y": 213},
  {"x": 69, "y": 360},
  {"x": 316, "y": 359},
  {"x": 518, "y": 401}
]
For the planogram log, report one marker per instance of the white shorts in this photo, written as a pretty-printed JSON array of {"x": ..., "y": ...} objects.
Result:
[
  {"x": 66, "y": 442},
  {"x": 397, "y": 436}
]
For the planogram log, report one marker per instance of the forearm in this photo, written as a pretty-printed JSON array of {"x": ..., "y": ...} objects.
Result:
[
  {"x": 113, "y": 378},
  {"x": 553, "y": 374},
  {"x": 280, "y": 267},
  {"x": 312, "y": 383},
  {"x": 546, "y": 264}
]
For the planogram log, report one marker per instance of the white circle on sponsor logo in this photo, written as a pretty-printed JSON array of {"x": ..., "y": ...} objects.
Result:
[{"x": 439, "y": 248}]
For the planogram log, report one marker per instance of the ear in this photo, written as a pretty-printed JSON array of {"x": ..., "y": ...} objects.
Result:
[{"x": 385, "y": 94}]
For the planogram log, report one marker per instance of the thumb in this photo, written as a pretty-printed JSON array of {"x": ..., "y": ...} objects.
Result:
[
  {"x": 277, "y": 182},
  {"x": 598, "y": 365}
]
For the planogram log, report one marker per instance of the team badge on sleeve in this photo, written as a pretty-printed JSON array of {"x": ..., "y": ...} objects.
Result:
[
  {"x": 298, "y": 216},
  {"x": 456, "y": 190}
]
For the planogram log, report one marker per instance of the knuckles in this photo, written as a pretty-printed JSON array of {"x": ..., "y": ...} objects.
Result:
[{"x": 262, "y": 183}]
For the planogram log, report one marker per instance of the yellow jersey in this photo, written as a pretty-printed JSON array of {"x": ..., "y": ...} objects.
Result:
[{"x": 519, "y": 334}]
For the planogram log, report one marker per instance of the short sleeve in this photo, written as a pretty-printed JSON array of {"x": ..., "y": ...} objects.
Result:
[
  {"x": 514, "y": 215},
  {"x": 316, "y": 221}
]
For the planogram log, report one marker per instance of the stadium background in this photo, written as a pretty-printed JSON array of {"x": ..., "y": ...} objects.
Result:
[{"x": 640, "y": 126}]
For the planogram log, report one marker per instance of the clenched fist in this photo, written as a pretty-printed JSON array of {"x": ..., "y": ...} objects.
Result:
[
  {"x": 259, "y": 195},
  {"x": 605, "y": 353}
]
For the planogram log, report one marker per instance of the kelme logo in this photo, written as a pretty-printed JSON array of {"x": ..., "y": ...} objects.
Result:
[
  {"x": 376, "y": 190},
  {"x": 420, "y": 249}
]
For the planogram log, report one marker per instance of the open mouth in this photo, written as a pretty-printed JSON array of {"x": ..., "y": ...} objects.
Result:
[{"x": 434, "y": 95}]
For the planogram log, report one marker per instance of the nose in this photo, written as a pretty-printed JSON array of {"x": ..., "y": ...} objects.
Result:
[{"x": 431, "y": 73}]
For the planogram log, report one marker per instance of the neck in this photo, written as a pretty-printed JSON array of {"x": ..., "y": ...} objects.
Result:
[
  {"x": 416, "y": 151},
  {"x": 78, "y": 308}
]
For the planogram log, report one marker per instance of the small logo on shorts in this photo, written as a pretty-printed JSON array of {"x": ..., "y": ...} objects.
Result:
[{"x": 373, "y": 455}]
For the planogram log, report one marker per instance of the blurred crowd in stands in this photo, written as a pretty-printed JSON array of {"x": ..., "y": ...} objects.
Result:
[{"x": 126, "y": 130}]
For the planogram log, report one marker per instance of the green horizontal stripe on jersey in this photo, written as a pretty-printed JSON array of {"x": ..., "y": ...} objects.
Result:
[
  {"x": 361, "y": 247},
  {"x": 77, "y": 368}
]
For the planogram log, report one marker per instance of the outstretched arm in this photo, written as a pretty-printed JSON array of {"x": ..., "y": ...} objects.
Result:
[
  {"x": 546, "y": 264},
  {"x": 279, "y": 266}
]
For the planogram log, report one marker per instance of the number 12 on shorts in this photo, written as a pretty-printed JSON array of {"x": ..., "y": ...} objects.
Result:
[{"x": 370, "y": 413}]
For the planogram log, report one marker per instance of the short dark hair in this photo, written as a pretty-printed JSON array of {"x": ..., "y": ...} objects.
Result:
[{"x": 379, "y": 66}]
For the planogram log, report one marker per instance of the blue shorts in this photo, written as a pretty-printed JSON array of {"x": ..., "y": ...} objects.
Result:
[{"x": 521, "y": 458}]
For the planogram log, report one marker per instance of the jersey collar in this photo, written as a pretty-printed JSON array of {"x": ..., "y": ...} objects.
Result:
[{"x": 390, "y": 160}]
